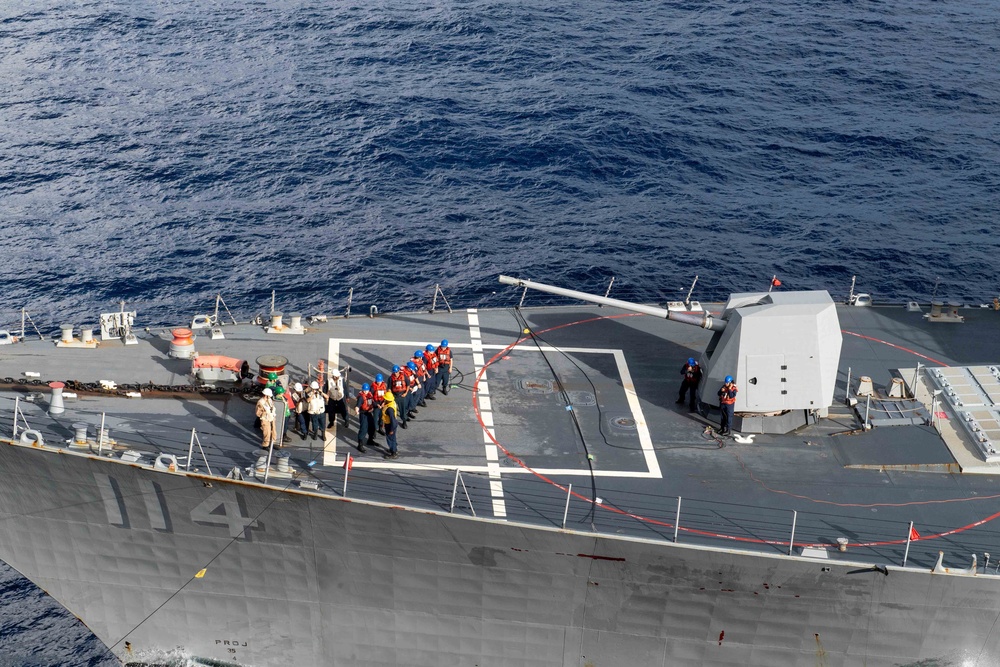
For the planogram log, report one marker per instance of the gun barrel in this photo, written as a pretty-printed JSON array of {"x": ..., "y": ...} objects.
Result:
[{"x": 704, "y": 321}]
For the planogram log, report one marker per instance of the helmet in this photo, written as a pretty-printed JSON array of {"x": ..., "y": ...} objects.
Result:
[
  {"x": 412, "y": 366},
  {"x": 271, "y": 375},
  {"x": 268, "y": 392},
  {"x": 729, "y": 378},
  {"x": 430, "y": 348},
  {"x": 444, "y": 343},
  {"x": 279, "y": 390},
  {"x": 366, "y": 387},
  {"x": 396, "y": 369},
  {"x": 388, "y": 397},
  {"x": 298, "y": 386},
  {"x": 314, "y": 385},
  {"x": 379, "y": 377},
  {"x": 335, "y": 373},
  {"x": 418, "y": 354},
  {"x": 690, "y": 361}
]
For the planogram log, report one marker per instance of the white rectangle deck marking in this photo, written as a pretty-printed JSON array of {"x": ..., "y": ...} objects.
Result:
[
  {"x": 484, "y": 388},
  {"x": 473, "y": 319},
  {"x": 492, "y": 453},
  {"x": 474, "y": 332},
  {"x": 484, "y": 403},
  {"x": 565, "y": 472},
  {"x": 487, "y": 432},
  {"x": 642, "y": 429}
]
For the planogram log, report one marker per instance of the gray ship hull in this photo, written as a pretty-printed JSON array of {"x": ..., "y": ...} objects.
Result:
[{"x": 295, "y": 578}]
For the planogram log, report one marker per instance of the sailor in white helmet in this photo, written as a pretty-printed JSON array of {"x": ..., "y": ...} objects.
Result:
[
  {"x": 316, "y": 407},
  {"x": 337, "y": 405},
  {"x": 265, "y": 412},
  {"x": 301, "y": 416}
]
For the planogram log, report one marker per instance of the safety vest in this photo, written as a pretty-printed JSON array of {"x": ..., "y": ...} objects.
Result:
[
  {"x": 421, "y": 365},
  {"x": 727, "y": 395},
  {"x": 366, "y": 402},
  {"x": 411, "y": 377},
  {"x": 444, "y": 356},
  {"x": 691, "y": 373},
  {"x": 317, "y": 403},
  {"x": 386, "y": 419},
  {"x": 432, "y": 361},
  {"x": 399, "y": 382},
  {"x": 378, "y": 389}
]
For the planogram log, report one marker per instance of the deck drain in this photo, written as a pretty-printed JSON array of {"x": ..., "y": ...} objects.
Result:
[{"x": 623, "y": 422}]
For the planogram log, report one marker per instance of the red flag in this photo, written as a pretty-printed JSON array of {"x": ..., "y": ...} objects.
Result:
[
  {"x": 914, "y": 535},
  {"x": 348, "y": 462},
  {"x": 775, "y": 282}
]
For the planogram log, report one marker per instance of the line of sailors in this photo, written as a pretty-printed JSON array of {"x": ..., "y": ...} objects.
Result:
[{"x": 383, "y": 406}]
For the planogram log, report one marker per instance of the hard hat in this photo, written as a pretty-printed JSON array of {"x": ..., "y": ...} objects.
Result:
[
  {"x": 271, "y": 375},
  {"x": 379, "y": 377},
  {"x": 335, "y": 373},
  {"x": 366, "y": 387},
  {"x": 412, "y": 366},
  {"x": 279, "y": 390},
  {"x": 268, "y": 392},
  {"x": 298, "y": 386},
  {"x": 388, "y": 397},
  {"x": 444, "y": 343},
  {"x": 729, "y": 378},
  {"x": 314, "y": 385},
  {"x": 418, "y": 354},
  {"x": 690, "y": 361},
  {"x": 396, "y": 369},
  {"x": 430, "y": 348}
]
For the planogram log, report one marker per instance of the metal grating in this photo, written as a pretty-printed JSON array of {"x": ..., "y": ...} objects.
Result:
[{"x": 973, "y": 392}]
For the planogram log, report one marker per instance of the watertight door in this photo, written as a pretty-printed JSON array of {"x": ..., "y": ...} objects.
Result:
[{"x": 765, "y": 384}]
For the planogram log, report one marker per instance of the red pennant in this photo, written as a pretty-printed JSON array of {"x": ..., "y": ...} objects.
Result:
[
  {"x": 914, "y": 535},
  {"x": 348, "y": 462},
  {"x": 775, "y": 282}
]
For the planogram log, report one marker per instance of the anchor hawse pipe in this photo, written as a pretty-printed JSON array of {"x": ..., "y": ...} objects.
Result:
[{"x": 704, "y": 321}]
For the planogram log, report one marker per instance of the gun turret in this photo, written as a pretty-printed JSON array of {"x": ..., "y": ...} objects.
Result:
[{"x": 783, "y": 348}]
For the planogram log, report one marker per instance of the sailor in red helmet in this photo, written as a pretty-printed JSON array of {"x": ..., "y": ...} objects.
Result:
[{"x": 727, "y": 403}]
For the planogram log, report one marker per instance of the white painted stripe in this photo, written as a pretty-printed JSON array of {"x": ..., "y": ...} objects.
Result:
[
  {"x": 566, "y": 472},
  {"x": 487, "y": 432},
  {"x": 474, "y": 332},
  {"x": 477, "y": 345},
  {"x": 492, "y": 453},
  {"x": 482, "y": 377},
  {"x": 499, "y": 508},
  {"x": 473, "y": 319},
  {"x": 487, "y": 418},
  {"x": 484, "y": 403},
  {"x": 645, "y": 441},
  {"x": 496, "y": 488},
  {"x": 466, "y": 346},
  {"x": 477, "y": 359},
  {"x": 484, "y": 388}
]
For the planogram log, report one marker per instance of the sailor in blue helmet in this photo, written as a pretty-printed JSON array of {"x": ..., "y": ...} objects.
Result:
[
  {"x": 691, "y": 374},
  {"x": 365, "y": 410},
  {"x": 431, "y": 360},
  {"x": 444, "y": 366},
  {"x": 727, "y": 404},
  {"x": 399, "y": 385},
  {"x": 411, "y": 398}
]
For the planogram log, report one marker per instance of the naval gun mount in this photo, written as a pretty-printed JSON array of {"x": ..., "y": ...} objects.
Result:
[{"x": 782, "y": 348}]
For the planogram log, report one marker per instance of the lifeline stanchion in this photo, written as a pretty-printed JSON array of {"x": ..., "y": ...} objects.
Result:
[
  {"x": 350, "y": 298},
  {"x": 347, "y": 469},
  {"x": 677, "y": 520},
  {"x": 868, "y": 403},
  {"x": 190, "y": 451},
  {"x": 610, "y": 283},
  {"x": 791, "y": 540},
  {"x": 569, "y": 493},
  {"x": 454, "y": 492},
  {"x": 17, "y": 406},
  {"x": 100, "y": 436}
]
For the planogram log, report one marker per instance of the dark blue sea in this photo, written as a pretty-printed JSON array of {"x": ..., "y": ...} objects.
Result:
[{"x": 163, "y": 153}]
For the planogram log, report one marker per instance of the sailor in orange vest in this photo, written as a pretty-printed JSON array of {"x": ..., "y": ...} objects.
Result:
[
  {"x": 431, "y": 359},
  {"x": 421, "y": 364},
  {"x": 444, "y": 366},
  {"x": 727, "y": 401},
  {"x": 412, "y": 376},
  {"x": 399, "y": 385},
  {"x": 379, "y": 388},
  {"x": 365, "y": 410}
]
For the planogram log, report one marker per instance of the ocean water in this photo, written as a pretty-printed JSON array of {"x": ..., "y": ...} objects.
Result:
[{"x": 163, "y": 153}]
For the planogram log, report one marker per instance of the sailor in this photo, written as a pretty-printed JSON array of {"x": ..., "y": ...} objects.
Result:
[
  {"x": 727, "y": 401},
  {"x": 301, "y": 416},
  {"x": 431, "y": 361},
  {"x": 691, "y": 372},
  {"x": 284, "y": 403},
  {"x": 389, "y": 424},
  {"x": 336, "y": 405},
  {"x": 379, "y": 390},
  {"x": 316, "y": 407},
  {"x": 418, "y": 361},
  {"x": 365, "y": 410},
  {"x": 399, "y": 385},
  {"x": 444, "y": 366},
  {"x": 265, "y": 413},
  {"x": 414, "y": 380}
]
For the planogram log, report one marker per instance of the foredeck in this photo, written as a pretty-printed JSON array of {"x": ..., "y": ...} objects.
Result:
[{"x": 586, "y": 399}]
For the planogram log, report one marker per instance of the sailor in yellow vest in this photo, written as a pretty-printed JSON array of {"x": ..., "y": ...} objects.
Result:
[{"x": 390, "y": 424}]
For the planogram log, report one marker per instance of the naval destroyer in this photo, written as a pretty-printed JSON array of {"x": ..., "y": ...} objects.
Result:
[{"x": 557, "y": 507}]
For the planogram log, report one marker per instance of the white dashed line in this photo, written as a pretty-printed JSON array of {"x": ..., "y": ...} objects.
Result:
[{"x": 486, "y": 414}]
